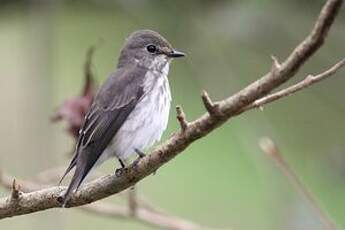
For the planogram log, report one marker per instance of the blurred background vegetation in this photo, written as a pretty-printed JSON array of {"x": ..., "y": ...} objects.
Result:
[{"x": 223, "y": 180}]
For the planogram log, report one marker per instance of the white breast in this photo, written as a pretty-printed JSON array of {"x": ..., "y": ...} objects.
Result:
[{"x": 147, "y": 122}]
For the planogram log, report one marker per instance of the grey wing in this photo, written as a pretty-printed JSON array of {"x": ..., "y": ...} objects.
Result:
[{"x": 112, "y": 105}]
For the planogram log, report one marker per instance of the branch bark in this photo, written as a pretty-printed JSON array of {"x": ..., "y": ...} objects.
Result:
[
  {"x": 308, "y": 81},
  {"x": 142, "y": 215},
  {"x": 228, "y": 108},
  {"x": 181, "y": 117},
  {"x": 138, "y": 209}
]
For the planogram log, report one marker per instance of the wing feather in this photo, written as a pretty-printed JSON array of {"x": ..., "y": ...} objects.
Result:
[{"x": 112, "y": 105}]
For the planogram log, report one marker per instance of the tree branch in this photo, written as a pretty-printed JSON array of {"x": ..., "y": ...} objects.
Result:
[
  {"x": 138, "y": 209},
  {"x": 211, "y": 107},
  {"x": 230, "y": 107},
  {"x": 308, "y": 81},
  {"x": 15, "y": 190},
  {"x": 142, "y": 215},
  {"x": 268, "y": 146},
  {"x": 181, "y": 117}
]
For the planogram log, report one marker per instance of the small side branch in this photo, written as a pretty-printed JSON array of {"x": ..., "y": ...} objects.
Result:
[
  {"x": 143, "y": 216},
  {"x": 268, "y": 147},
  {"x": 88, "y": 73},
  {"x": 308, "y": 81},
  {"x": 15, "y": 193},
  {"x": 132, "y": 201},
  {"x": 181, "y": 117},
  {"x": 275, "y": 66},
  {"x": 211, "y": 107},
  {"x": 138, "y": 209}
]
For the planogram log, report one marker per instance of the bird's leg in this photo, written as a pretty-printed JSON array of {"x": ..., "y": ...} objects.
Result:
[
  {"x": 120, "y": 171},
  {"x": 121, "y": 163},
  {"x": 141, "y": 154},
  {"x": 123, "y": 168}
]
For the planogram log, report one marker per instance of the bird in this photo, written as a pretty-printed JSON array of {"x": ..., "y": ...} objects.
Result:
[{"x": 130, "y": 111}]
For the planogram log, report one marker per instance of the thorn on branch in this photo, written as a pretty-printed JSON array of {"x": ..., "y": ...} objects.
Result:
[
  {"x": 275, "y": 65},
  {"x": 15, "y": 194},
  {"x": 211, "y": 107},
  {"x": 181, "y": 117}
]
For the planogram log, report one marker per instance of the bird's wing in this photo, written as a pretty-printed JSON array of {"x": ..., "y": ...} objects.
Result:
[{"x": 112, "y": 105}]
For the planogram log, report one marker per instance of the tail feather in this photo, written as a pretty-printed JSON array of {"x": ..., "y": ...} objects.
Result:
[
  {"x": 76, "y": 181},
  {"x": 83, "y": 167},
  {"x": 70, "y": 167}
]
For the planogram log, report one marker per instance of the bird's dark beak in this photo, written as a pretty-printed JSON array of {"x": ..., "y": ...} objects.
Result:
[{"x": 176, "y": 54}]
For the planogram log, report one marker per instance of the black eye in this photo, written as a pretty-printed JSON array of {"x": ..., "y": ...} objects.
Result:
[{"x": 151, "y": 48}]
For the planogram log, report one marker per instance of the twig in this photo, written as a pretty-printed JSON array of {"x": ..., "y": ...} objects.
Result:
[
  {"x": 53, "y": 175},
  {"x": 143, "y": 215},
  {"x": 268, "y": 146},
  {"x": 26, "y": 186},
  {"x": 308, "y": 81},
  {"x": 212, "y": 108},
  {"x": 89, "y": 75},
  {"x": 15, "y": 190},
  {"x": 181, "y": 117},
  {"x": 138, "y": 209},
  {"x": 132, "y": 201},
  {"x": 275, "y": 65},
  {"x": 228, "y": 108}
]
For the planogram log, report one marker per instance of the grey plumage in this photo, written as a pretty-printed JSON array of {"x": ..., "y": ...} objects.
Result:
[{"x": 130, "y": 110}]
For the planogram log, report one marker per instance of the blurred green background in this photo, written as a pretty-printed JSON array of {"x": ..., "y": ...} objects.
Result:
[{"x": 223, "y": 180}]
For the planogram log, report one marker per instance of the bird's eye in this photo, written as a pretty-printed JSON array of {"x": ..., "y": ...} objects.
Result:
[{"x": 151, "y": 48}]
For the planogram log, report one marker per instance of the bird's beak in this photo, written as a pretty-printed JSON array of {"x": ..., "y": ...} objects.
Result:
[{"x": 176, "y": 54}]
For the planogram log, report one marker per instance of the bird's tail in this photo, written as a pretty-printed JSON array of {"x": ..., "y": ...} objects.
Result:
[
  {"x": 76, "y": 181},
  {"x": 83, "y": 167},
  {"x": 70, "y": 167}
]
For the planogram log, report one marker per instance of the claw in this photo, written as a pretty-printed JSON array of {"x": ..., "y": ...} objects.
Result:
[
  {"x": 122, "y": 170},
  {"x": 119, "y": 172},
  {"x": 140, "y": 153}
]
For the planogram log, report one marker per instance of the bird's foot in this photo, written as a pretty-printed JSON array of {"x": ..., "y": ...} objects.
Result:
[
  {"x": 140, "y": 153},
  {"x": 119, "y": 172},
  {"x": 122, "y": 170},
  {"x": 140, "y": 156}
]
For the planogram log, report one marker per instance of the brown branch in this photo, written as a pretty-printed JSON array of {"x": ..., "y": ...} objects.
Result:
[
  {"x": 142, "y": 215},
  {"x": 53, "y": 175},
  {"x": 26, "y": 186},
  {"x": 88, "y": 73},
  {"x": 211, "y": 107},
  {"x": 132, "y": 201},
  {"x": 230, "y": 107},
  {"x": 181, "y": 117},
  {"x": 275, "y": 64},
  {"x": 15, "y": 193},
  {"x": 138, "y": 209},
  {"x": 308, "y": 81},
  {"x": 268, "y": 146}
]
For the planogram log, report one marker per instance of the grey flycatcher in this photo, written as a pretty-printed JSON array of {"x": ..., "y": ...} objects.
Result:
[{"x": 131, "y": 109}]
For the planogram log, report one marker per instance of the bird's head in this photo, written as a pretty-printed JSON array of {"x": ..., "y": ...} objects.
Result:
[{"x": 147, "y": 47}]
